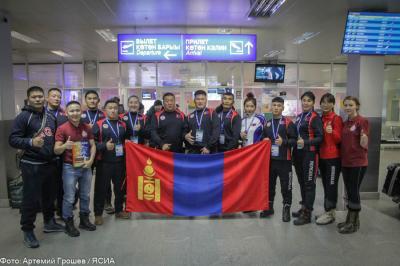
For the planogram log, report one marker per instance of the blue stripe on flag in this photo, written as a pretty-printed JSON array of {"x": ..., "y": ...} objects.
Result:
[{"x": 198, "y": 184}]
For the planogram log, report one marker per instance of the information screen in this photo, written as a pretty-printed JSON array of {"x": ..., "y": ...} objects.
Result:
[
  {"x": 372, "y": 33},
  {"x": 187, "y": 47}
]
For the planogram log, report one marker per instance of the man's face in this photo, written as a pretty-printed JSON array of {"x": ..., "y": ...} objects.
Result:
[
  {"x": 36, "y": 99},
  {"x": 277, "y": 108},
  {"x": 74, "y": 112},
  {"x": 200, "y": 101},
  {"x": 92, "y": 101},
  {"x": 227, "y": 101},
  {"x": 157, "y": 108},
  {"x": 54, "y": 99},
  {"x": 112, "y": 110},
  {"x": 169, "y": 103}
]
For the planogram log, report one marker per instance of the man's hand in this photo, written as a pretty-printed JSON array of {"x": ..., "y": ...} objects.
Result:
[
  {"x": 329, "y": 128},
  {"x": 38, "y": 141},
  {"x": 243, "y": 135},
  {"x": 363, "y": 139},
  {"x": 87, "y": 163},
  {"x": 204, "y": 150},
  {"x": 69, "y": 144},
  {"x": 279, "y": 141},
  {"x": 189, "y": 138},
  {"x": 300, "y": 143},
  {"x": 110, "y": 145},
  {"x": 166, "y": 147}
]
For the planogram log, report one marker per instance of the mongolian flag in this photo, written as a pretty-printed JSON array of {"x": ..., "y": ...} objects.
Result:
[{"x": 195, "y": 184}]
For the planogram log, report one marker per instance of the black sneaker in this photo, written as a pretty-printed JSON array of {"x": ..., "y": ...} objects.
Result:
[
  {"x": 51, "y": 226},
  {"x": 109, "y": 209},
  {"x": 304, "y": 218},
  {"x": 298, "y": 213},
  {"x": 85, "y": 223},
  {"x": 267, "y": 213},
  {"x": 30, "y": 240}
]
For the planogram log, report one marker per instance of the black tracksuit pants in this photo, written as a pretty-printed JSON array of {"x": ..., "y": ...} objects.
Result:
[
  {"x": 283, "y": 169},
  {"x": 306, "y": 165},
  {"x": 330, "y": 171},
  {"x": 352, "y": 178},
  {"x": 110, "y": 171},
  {"x": 38, "y": 193}
]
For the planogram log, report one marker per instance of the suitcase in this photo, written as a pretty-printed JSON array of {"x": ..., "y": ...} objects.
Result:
[{"x": 392, "y": 181}]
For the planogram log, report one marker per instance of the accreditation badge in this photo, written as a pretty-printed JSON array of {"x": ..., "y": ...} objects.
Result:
[
  {"x": 199, "y": 135},
  {"x": 274, "y": 150},
  {"x": 119, "y": 150},
  {"x": 222, "y": 139}
]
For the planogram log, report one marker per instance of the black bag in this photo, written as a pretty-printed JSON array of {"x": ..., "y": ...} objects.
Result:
[
  {"x": 15, "y": 192},
  {"x": 392, "y": 181}
]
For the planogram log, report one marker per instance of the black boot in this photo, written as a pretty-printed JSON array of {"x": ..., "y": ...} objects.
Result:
[
  {"x": 298, "y": 213},
  {"x": 85, "y": 223},
  {"x": 286, "y": 213},
  {"x": 269, "y": 212},
  {"x": 353, "y": 224},
  {"x": 30, "y": 240},
  {"x": 340, "y": 225},
  {"x": 52, "y": 226},
  {"x": 304, "y": 218},
  {"x": 70, "y": 228}
]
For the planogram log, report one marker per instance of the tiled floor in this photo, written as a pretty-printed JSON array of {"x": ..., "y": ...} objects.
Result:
[{"x": 232, "y": 240}]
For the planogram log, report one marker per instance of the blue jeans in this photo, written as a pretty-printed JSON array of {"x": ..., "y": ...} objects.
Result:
[{"x": 71, "y": 177}]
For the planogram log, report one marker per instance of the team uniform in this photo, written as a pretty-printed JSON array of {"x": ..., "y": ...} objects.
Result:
[
  {"x": 91, "y": 116},
  {"x": 136, "y": 127},
  {"x": 204, "y": 124},
  {"x": 253, "y": 126},
  {"x": 37, "y": 164},
  {"x": 112, "y": 163},
  {"x": 354, "y": 159},
  {"x": 230, "y": 126},
  {"x": 281, "y": 157},
  {"x": 309, "y": 128},
  {"x": 168, "y": 128},
  {"x": 330, "y": 165}
]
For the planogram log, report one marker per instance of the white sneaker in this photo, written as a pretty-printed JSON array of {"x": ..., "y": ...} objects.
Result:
[{"x": 326, "y": 218}]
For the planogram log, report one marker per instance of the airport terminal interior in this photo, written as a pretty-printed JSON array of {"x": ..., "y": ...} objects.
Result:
[{"x": 83, "y": 45}]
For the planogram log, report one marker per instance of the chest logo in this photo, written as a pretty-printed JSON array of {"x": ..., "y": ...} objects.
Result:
[
  {"x": 105, "y": 126},
  {"x": 162, "y": 117},
  {"x": 83, "y": 115}
]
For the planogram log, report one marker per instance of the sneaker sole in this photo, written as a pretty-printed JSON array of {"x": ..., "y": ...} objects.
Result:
[
  {"x": 29, "y": 246},
  {"x": 53, "y": 231},
  {"x": 72, "y": 235},
  {"x": 87, "y": 228},
  {"x": 326, "y": 223}
]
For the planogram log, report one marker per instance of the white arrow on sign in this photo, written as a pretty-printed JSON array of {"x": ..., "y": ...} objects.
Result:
[
  {"x": 249, "y": 45},
  {"x": 167, "y": 55}
]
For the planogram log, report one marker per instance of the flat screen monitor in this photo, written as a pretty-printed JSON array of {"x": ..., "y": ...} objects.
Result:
[
  {"x": 372, "y": 33},
  {"x": 269, "y": 73}
]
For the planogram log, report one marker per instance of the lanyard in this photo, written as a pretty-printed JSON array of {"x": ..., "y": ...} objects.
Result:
[
  {"x": 245, "y": 123},
  {"x": 275, "y": 133},
  {"x": 201, "y": 118},
  {"x": 116, "y": 134},
  {"x": 95, "y": 117},
  {"x": 222, "y": 118},
  {"x": 130, "y": 119},
  {"x": 301, "y": 119}
]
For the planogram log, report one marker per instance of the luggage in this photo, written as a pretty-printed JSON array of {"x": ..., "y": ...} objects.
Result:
[
  {"x": 392, "y": 182},
  {"x": 15, "y": 191}
]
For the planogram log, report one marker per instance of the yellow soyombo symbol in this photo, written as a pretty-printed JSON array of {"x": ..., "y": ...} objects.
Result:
[{"x": 148, "y": 186}]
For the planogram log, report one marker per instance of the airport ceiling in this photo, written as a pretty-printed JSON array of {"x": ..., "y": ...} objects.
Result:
[{"x": 70, "y": 25}]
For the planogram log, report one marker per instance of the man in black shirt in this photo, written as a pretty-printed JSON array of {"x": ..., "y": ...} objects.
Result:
[
  {"x": 203, "y": 127},
  {"x": 283, "y": 136},
  {"x": 168, "y": 126}
]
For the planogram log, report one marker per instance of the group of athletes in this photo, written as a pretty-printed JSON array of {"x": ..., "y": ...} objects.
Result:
[{"x": 60, "y": 148}]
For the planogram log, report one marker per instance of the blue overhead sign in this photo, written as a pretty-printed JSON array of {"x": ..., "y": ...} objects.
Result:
[{"x": 187, "y": 47}]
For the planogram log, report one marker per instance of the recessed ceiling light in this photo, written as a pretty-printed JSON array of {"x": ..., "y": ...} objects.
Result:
[
  {"x": 224, "y": 30},
  {"x": 23, "y": 37},
  {"x": 107, "y": 35},
  {"x": 274, "y": 53},
  {"x": 61, "y": 53}
]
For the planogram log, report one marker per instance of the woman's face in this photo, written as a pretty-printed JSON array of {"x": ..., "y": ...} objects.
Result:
[
  {"x": 249, "y": 108},
  {"x": 327, "y": 106},
  {"x": 307, "y": 104},
  {"x": 350, "y": 107},
  {"x": 133, "y": 104}
]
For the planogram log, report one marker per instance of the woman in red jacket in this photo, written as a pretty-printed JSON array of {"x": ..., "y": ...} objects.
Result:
[
  {"x": 329, "y": 152},
  {"x": 354, "y": 153}
]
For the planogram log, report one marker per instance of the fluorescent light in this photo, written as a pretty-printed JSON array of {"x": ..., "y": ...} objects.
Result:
[
  {"x": 264, "y": 8},
  {"x": 23, "y": 37},
  {"x": 61, "y": 53},
  {"x": 107, "y": 35},
  {"x": 274, "y": 53},
  {"x": 304, "y": 37},
  {"x": 224, "y": 30}
]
